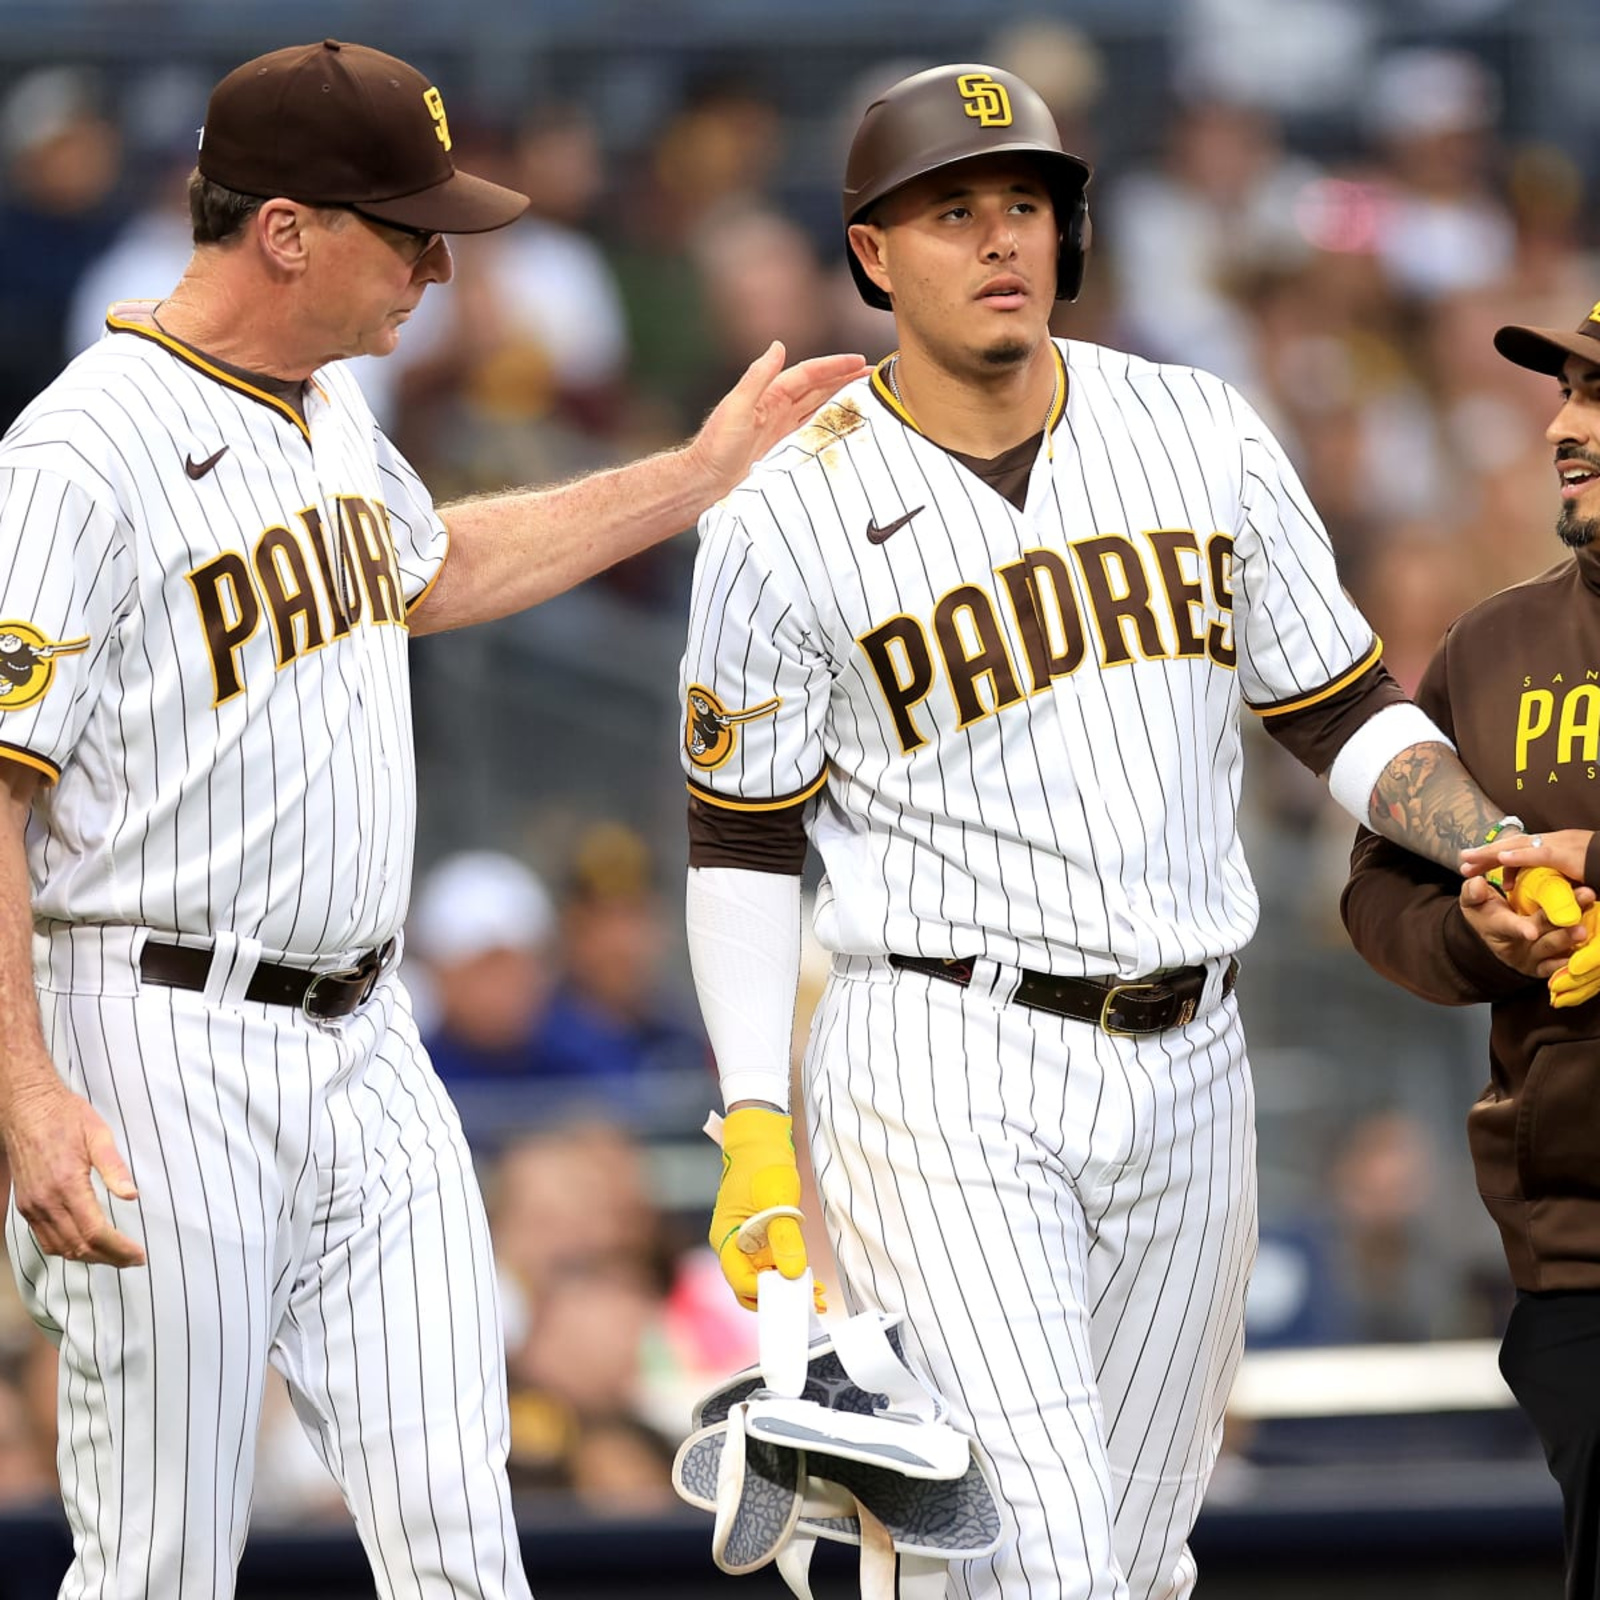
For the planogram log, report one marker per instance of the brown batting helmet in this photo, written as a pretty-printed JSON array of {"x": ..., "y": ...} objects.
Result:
[{"x": 948, "y": 114}]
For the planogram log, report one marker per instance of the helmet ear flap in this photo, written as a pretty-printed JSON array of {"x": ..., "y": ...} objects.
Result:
[{"x": 1075, "y": 237}]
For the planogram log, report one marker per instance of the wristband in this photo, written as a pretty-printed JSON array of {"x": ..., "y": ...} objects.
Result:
[
  {"x": 1507, "y": 824},
  {"x": 1496, "y": 876}
]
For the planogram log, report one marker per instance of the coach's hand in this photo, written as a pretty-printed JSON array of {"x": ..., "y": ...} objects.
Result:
[
  {"x": 766, "y": 403},
  {"x": 54, "y": 1140},
  {"x": 759, "y": 1174}
]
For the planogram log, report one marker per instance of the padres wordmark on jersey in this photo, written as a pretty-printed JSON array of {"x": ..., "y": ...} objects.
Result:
[
  {"x": 1026, "y": 717},
  {"x": 294, "y": 558}
]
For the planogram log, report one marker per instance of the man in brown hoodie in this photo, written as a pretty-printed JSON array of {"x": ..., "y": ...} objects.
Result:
[{"x": 1516, "y": 684}]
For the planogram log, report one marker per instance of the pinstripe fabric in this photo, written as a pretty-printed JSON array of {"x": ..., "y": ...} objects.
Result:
[
  {"x": 1068, "y": 1221},
  {"x": 322, "y": 1215},
  {"x": 1043, "y": 772},
  {"x": 1023, "y": 711},
  {"x": 279, "y": 803}
]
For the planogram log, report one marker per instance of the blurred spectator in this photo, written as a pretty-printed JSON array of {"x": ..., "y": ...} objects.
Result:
[
  {"x": 1183, "y": 233},
  {"x": 577, "y": 1393},
  {"x": 61, "y": 155},
  {"x": 27, "y": 1474},
  {"x": 1555, "y": 261},
  {"x": 718, "y": 151},
  {"x": 1417, "y": 584},
  {"x": 584, "y": 1267},
  {"x": 611, "y": 1022},
  {"x": 1335, "y": 377},
  {"x": 761, "y": 281},
  {"x": 483, "y": 924},
  {"x": 1431, "y": 116},
  {"x": 519, "y": 370},
  {"x": 1291, "y": 57},
  {"x": 1490, "y": 428},
  {"x": 1366, "y": 1264},
  {"x": 151, "y": 249},
  {"x": 1061, "y": 63}
]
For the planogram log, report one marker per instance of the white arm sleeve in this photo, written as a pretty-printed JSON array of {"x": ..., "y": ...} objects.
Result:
[
  {"x": 744, "y": 948},
  {"x": 1360, "y": 762}
]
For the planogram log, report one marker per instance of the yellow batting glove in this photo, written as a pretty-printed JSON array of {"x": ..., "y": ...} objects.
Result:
[
  {"x": 1579, "y": 981},
  {"x": 1544, "y": 889},
  {"x": 759, "y": 1176}
]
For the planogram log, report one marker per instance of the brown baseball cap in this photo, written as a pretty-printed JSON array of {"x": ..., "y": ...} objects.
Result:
[
  {"x": 1547, "y": 349},
  {"x": 341, "y": 124}
]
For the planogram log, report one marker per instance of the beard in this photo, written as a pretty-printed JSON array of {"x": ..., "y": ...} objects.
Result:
[
  {"x": 1008, "y": 353},
  {"x": 1574, "y": 531}
]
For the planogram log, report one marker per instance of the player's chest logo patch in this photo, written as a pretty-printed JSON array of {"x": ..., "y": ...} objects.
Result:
[
  {"x": 711, "y": 730},
  {"x": 28, "y": 663},
  {"x": 878, "y": 532}
]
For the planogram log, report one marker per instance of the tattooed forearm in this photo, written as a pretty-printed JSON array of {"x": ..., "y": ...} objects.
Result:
[{"x": 1427, "y": 801}]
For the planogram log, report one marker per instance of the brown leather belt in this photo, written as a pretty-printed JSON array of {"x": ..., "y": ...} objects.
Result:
[
  {"x": 322, "y": 995},
  {"x": 1145, "y": 1006}
]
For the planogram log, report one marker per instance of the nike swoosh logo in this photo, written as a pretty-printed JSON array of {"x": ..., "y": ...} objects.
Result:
[
  {"x": 876, "y": 535},
  {"x": 198, "y": 469}
]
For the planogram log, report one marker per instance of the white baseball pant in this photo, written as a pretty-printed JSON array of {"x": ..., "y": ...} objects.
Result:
[
  {"x": 1067, "y": 1220},
  {"x": 306, "y": 1197}
]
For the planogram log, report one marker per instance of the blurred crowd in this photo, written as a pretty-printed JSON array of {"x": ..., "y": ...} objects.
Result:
[{"x": 1347, "y": 277}]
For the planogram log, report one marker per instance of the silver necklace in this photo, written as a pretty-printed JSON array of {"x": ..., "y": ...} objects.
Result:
[{"x": 1055, "y": 396}]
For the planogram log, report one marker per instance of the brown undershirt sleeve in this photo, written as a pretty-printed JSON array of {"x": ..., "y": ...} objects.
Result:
[
  {"x": 759, "y": 841},
  {"x": 1315, "y": 734}
]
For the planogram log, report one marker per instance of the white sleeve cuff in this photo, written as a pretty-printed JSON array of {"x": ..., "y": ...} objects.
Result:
[
  {"x": 1360, "y": 762},
  {"x": 744, "y": 949}
]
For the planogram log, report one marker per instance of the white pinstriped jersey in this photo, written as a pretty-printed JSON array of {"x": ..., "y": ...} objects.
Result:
[
  {"x": 1019, "y": 729},
  {"x": 211, "y": 659}
]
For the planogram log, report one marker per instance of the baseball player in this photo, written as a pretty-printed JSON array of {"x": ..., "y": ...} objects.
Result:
[
  {"x": 981, "y": 633},
  {"x": 1514, "y": 681},
  {"x": 227, "y": 1146}
]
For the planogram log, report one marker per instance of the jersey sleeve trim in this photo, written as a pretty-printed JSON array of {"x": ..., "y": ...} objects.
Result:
[
  {"x": 734, "y": 803},
  {"x": 427, "y": 589},
  {"x": 26, "y": 758},
  {"x": 1299, "y": 703},
  {"x": 200, "y": 364}
]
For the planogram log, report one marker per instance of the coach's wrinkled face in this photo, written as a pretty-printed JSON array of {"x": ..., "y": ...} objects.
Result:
[
  {"x": 1575, "y": 432},
  {"x": 968, "y": 255},
  {"x": 371, "y": 275}
]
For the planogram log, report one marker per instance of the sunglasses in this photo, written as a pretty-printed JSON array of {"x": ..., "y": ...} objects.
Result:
[{"x": 424, "y": 238}]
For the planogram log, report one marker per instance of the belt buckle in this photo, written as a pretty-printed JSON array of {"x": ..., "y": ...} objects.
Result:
[
  {"x": 369, "y": 969},
  {"x": 308, "y": 999},
  {"x": 1113, "y": 994}
]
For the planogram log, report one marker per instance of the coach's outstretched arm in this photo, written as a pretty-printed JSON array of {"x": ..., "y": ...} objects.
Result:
[
  {"x": 53, "y": 1137},
  {"x": 510, "y": 551}
]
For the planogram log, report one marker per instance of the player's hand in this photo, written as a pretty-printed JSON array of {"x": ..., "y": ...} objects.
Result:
[
  {"x": 1566, "y": 850},
  {"x": 54, "y": 1140},
  {"x": 1578, "y": 982},
  {"x": 765, "y": 404},
  {"x": 1526, "y": 940},
  {"x": 759, "y": 1174}
]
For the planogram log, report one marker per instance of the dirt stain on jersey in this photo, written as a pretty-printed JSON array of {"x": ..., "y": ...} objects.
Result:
[{"x": 831, "y": 424}]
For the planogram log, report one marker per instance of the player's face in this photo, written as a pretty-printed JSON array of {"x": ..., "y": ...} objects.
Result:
[
  {"x": 373, "y": 274},
  {"x": 1575, "y": 433},
  {"x": 969, "y": 253}
]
